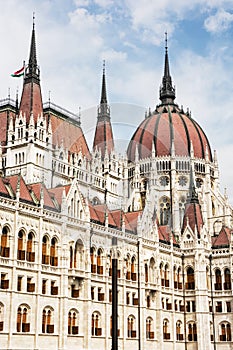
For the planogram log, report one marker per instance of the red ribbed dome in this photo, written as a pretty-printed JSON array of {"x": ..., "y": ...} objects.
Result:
[{"x": 168, "y": 123}]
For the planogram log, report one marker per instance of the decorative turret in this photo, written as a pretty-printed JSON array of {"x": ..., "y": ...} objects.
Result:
[
  {"x": 167, "y": 91},
  {"x": 193, "y": 214},
  {"x": 103, "y": 134},
  {"x": 31, "y": 100}
]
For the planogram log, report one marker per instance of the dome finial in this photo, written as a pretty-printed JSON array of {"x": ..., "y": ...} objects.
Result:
[{"x": 167, "y": 91}]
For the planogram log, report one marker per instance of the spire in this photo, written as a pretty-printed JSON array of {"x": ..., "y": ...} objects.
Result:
[
  {"x": 193, "y": 196},
  {"x": 103, "y": 92},
  {"x": 103, "y": 110},
  {"x": 103, "y": 139},
  {"x": 167, "y": 91},
  {"x": 32, "y": 71},
  {"x": 31, "y": 99}
]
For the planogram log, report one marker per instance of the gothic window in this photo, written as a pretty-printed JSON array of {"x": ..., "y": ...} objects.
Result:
[
  {"x": 131, "y": 327},
  {"x": 100, "y": 262},
  {"x": 133, "y": 269},
  {"x": 22, "y": 319},
  {"x": 199, "y": 182},
  {"x": 30, "y": 254},
  {"x": 96, "y": 329},
  {"x": 21, "y": 245},
  {"x": 225, "y": 331},
  {"x": 218, "y": 280},
  {"x": 164, "y": 180},
  {"x": 45, "y": 250},
  {"x": 179, "y": 335},
  {"x": 161, "y": 274},
  {"x": 166, "y": 334},
  {"x": 146, "y": 273},
  {"x": 149, "y": 328},
  {"x": 73, "y": 322},
  {"x": 93, "y": 259},
  {"x": 192, "y": 331},
  {"x": 227, "y": 279},
  {"x": 182, "y": 202},
  {"x": 47, "y": 320},
  {"x": 182, "y": 181},
  {"x": 165, "y": 211},
  {"x": 190, "y": 279},
  {"x": 53, "y": 252},
  {"x": 166, "y": 275},
  {"x": 5, "y": 249}
]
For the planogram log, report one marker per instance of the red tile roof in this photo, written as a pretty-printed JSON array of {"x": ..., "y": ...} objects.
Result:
[
  {"x": 163, "y": 126},
  {"x": 193, "y": 217},
  {"x": 223, "y": 239},
  {"x": 115, "y": 217},
  {"x": 165, "y": 234},
  {"x": 103, "y": 137}
]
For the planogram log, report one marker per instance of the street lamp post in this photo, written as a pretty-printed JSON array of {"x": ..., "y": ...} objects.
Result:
[{"x": 114, "y": 297}]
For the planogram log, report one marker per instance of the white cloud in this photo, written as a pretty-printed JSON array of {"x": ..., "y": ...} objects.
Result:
[{"x": 219, "y": 22}]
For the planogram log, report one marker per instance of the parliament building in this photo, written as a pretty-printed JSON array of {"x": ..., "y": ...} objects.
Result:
[{"x": 63, "y": 203}]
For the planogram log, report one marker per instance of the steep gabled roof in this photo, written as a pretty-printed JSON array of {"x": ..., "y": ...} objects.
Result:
[{"x": 223, "y": 239}]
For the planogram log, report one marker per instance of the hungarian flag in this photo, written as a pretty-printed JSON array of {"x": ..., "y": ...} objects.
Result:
[{"x": 18, "y": 73}]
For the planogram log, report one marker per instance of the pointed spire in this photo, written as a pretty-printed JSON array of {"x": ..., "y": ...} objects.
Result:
[
  {"x": 103, "y": 134},
  {"x": 103, "y": 110},
  {"x": 167, "y": 91},
  {"x": 32, "y": 69},
  {"x": 31, "y": 99},
  {"x": 103, "y": 92},
  {"x": 193, "y": 196}
]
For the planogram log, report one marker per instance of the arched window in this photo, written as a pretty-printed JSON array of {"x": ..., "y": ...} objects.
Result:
[
  {"x": 149, "y": 328},
  {"x": 133, "y": 269},
  {"x": 96, "y": 324},
  {"x": 161, "y": 270},
  {"x": 93, "y": 259},
  {"x": 190, "y": 279},
  {"x": 182, "y": 203},
  {"x": 47, "y": 320},
  {"x": 166, "y": 275},
  {"x": 146, "y": 273},
  {"x": 179, "y": 278},
  {"x": 45, "y": 250},
  {"x": 179, "y": 335},
  {"x": 5, "y": 249},
  {"x": 21, "y": 245},
  {"x": 22, "y": 319},
  {"x": 166, "y": 334},
  {"x": 53, "y": 252},
  {"x": 192, "y": 331},
  {"x": 225, "y": 331},
  {"x": 73, "y": 320},
  {"x": 131, "y": 327},
  {"x": 128, "y": 267},
  {"x": 1, "y": 317},
  {"x": 165, "y": 212},
  {"x": 218, "y": 280},
  {"x": 30, "y": 254},
  {"x": 227, "y": 279},
  {"x": 100, "y": 262}
]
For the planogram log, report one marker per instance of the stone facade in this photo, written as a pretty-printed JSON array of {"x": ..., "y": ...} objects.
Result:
[{"x": 61, "y": 206}]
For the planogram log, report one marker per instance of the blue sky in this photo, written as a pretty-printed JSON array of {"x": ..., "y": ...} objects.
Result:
[{"x": 74, "y": 36}]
